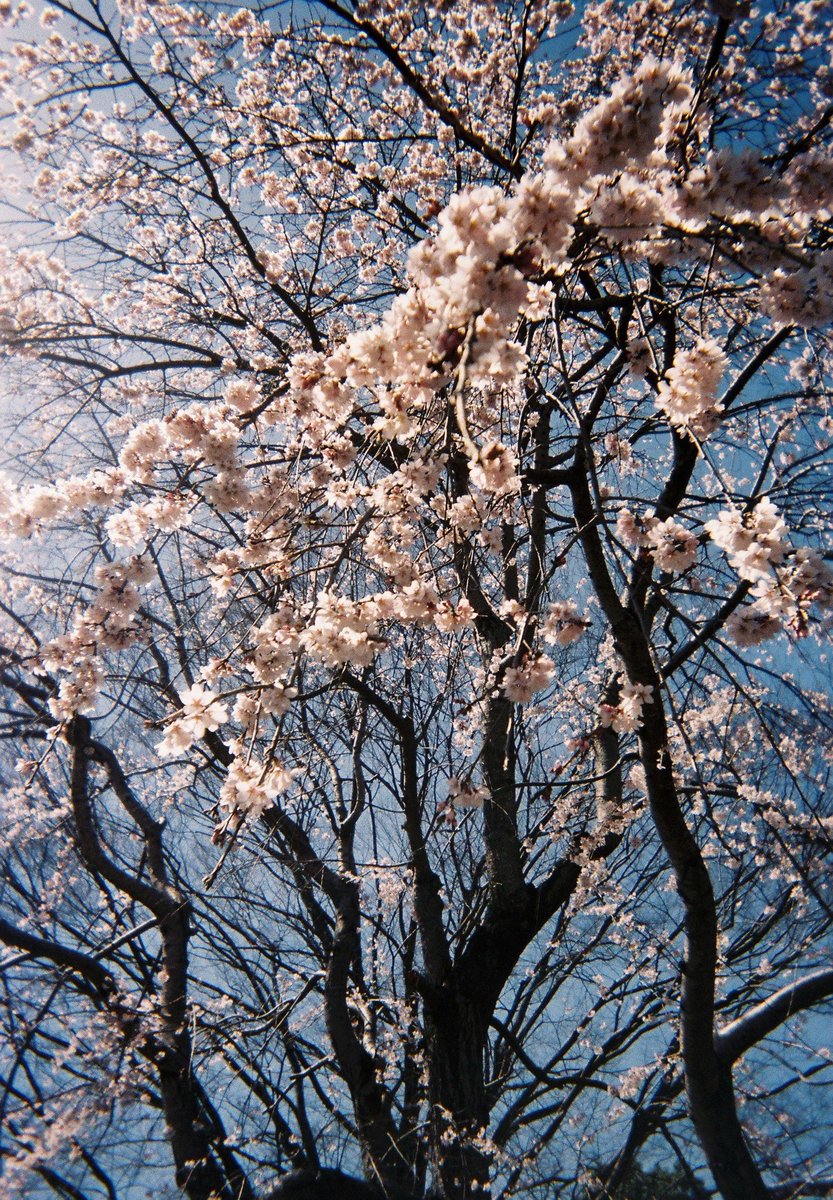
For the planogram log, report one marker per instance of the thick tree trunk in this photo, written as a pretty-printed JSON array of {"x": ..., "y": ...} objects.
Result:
[
  {"x": 326, "y": 1183},
  {"x": 455, "y": 1034},
  {"x": 711, "y": 1101}
]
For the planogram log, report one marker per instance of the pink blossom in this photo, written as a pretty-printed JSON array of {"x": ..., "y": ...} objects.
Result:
[
  {"x": 687, "y": 394},
  {"x": 466, "y": 794},
  {"x": 671, "y": 545},
  {"x": 563, "y": 624},
  {"x": 521, "y": 683}
]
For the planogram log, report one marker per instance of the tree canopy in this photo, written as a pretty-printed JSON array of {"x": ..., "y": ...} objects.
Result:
[{"x": 416, "y": 602}]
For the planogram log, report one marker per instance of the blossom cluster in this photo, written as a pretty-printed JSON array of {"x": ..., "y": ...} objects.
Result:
[
  {"x": 464, "y": 793},
  {"x": 563, "y": 624},
  {"x": 753, "y": 541},
  {"x": 471, "y": 282},
  {"x": 671, "y": 545},
  {"x": 687, "y": 394},
  {"x": 201, "y": 712},
  {"x": 110, "y": 622},
  {"x": 626, "y": 716},
  {"x": 520, "y": 683},
  {"x": 24, "y": 512},
  {"x": 787, "y": 581},
  {"x": 250, "y": 787}
]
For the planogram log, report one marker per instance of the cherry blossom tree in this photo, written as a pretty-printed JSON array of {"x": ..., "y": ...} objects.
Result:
[{"x": 416, "y": 722}]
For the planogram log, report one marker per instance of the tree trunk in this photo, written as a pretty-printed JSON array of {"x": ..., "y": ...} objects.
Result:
[{"x": 455, "y": 1033}]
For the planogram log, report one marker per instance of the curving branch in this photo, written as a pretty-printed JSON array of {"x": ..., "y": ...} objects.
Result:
[{"x": 735, "y": 1039}]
